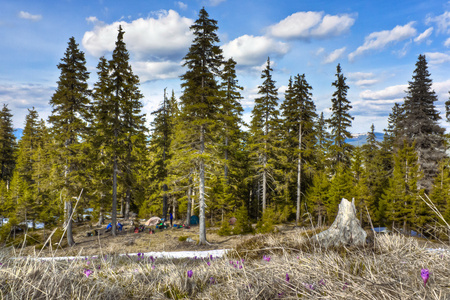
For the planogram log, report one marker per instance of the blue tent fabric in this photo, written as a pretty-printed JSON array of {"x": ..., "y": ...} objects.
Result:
[
  {"x": 194, "y": 220},
  {"x": 109, "y": 226}
]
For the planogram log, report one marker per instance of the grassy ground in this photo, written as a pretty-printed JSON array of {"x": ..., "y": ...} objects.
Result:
[{"x": 285, "y": 265}]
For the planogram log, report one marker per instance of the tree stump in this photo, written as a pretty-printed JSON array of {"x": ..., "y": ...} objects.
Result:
[{"x": 345, "y": 230}]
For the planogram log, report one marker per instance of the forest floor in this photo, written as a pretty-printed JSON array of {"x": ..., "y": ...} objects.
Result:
[
  {"x": 165, "y": 240},
  {"x": 126, "y": 241}
]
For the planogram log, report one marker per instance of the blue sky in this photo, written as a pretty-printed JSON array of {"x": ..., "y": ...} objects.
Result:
[{"x": 376, "y": 42}]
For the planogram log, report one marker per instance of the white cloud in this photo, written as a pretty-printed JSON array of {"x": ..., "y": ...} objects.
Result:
[
  {"x": 389, "y": 93},
  {"x": 181, "y": 5},
  {"x": 442, "y": 22},
  {"x": 249, "y": 50},
  {"x": 168, "y": 35},
  {"x": 310, "y": 24},
  {"x": 214, "y": 2},
  {"x": 441, "y": 89},
  {"x": 320, "y": 51},
  {"x": 380, "y": 39},
  {"x": 157, "y": 70},
  {"x": 424, "y": 35},
  {"x": 92, "y": 19},
  {"x": 362, "y": 79},
  {"x": 27, "y": 16},
  {"x": 437, "y": 58},
  {"x": 447, "y": 42},
  {"x": 360, "y": 75},
  {"x": 335, "y": 55},
  {"x": 366, "y": 82},
  {"x": 21, "y": 97}
]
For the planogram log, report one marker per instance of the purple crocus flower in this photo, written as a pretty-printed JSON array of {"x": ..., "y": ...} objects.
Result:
[
  {"x": 189, "y": 273},
  {"x": 287, "y": 277},
  {"x": 322, "y": 282},
  {"x": 266, "y": 258},
  {"x": 208, "y": 263},
  {"x": 425, "y": 275},
  {"x": 345, "y": 286},
  {"x": 210, "y": 257},
  {"x": 87, "y": 272},
  {"x": 153, "y": 267},
  {"x": 212, "y": 280}
]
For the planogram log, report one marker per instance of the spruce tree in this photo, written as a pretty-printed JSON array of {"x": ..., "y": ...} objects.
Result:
[
  {"x": 401, "y": 196},
  {"x": 298, "y": 113},
  {"x": 420, "y": 123},
  {"x": 117, "y": 106},
  {"x": 323, "y": 144},
  {"x": 263, "y": 130},
  {"x": 162, "y": 130},
  {"x": 200, "y": 103},
  {"x": 101, "y": 137},
  {"x": 230, "y": 136},
  {"x": 7, "y": 145},
  {"x": 340, "y": 121},
  {"x": 70, "y": 113}
]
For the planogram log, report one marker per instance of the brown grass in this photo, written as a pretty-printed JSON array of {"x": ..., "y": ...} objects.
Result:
[{"x": 388, "y": 269}]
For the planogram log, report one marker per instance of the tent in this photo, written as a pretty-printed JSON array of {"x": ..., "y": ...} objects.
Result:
[
  {"x": 194, "y": 220},
  {"x": 153, "y": 221}
]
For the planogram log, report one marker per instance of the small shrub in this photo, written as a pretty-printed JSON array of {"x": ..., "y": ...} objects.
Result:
[
  {"x": 242, "y": 225},
  {"x": 265, "y": 224},
  {"x": 182, "y": 238},
  {"x": 225, "y": 229}
]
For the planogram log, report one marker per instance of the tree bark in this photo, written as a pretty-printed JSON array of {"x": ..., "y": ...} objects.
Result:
[
  {"x": 188, "y": 214},
  {"x": 202, "y": 223},
  {"x": 165, "y": 204},
  {"x": 299, "y": 174},
  {"x": 345, "y": 229},
  {"x": 114, "y": 202},
  {"x": 70, "y": 240},
  {"x": 127, "y": 204}
]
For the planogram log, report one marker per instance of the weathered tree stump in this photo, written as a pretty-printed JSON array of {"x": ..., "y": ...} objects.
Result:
[{"x": 345, "y": 230}]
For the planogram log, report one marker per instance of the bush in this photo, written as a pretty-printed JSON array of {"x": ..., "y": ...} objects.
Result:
[
  {"x": 242, "y": 225},
  {"x": 265, "y": 224},
  {"x": 225, "y": 229}
]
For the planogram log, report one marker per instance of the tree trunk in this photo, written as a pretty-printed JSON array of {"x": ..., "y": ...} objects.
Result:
[
  {"x": 299, "y": 174},
  {"x": 189, "y": 204},
  {"x": 70, "y": 240},
  {"x": 264, "y": 190},
  {"x": 226, "y": 159},
  {"x": 101, "y": 218},
  {"x": 165, "y": 204},
  {"x": 127, "y": 204},
  {"x": 345, "y": 228},
  {"x": 114, "y": 200},
  {"x": 202, "y": 223},
  {"x": 122, "y": 207}
]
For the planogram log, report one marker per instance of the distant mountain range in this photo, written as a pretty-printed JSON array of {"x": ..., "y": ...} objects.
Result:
[{"x": 358, "y": 139}]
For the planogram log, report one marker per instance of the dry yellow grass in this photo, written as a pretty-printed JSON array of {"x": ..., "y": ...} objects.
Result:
[{"x": 388, "y": 269}]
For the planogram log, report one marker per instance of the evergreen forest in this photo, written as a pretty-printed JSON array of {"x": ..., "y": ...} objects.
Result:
[{"x": 198, "y": 156}]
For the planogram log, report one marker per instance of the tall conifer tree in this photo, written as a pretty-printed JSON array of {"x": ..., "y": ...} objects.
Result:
[
  {"x": 201, "y": 102},
  {"x": 340, "y": 120},
  {"x": 420, "y": 123},
  {"x": 265, "y": 121},
  {"x": 299, "y": 113},
  {"x": 69, "y": 116},
  {"x": 7, "y": 145}
]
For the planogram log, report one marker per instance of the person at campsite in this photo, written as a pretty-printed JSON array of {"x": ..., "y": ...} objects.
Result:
[{"x": 171, "y": 219}]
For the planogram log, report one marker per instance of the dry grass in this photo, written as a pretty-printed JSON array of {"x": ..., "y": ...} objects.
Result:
[{"x": 388, "y": 269}]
